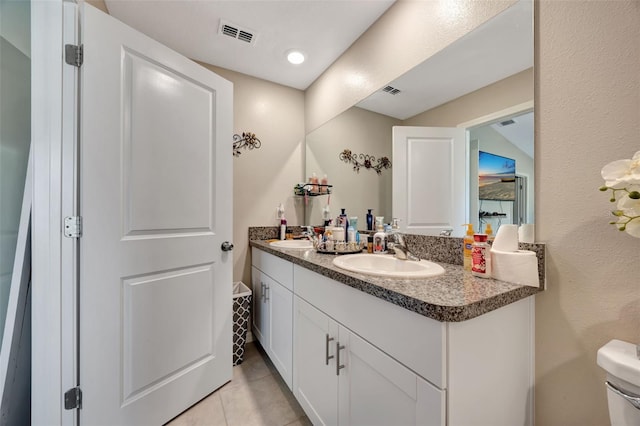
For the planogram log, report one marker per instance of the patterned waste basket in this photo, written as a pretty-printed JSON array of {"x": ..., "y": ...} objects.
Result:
[{"x": 241, "y": 315}]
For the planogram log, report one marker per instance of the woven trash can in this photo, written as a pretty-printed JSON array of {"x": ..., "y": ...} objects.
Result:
[{"x": 241, "y": 318}]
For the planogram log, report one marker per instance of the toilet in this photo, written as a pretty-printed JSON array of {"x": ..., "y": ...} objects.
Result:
[{"x": 620, "y": 360}]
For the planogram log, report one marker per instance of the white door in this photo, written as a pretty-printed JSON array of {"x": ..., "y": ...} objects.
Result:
[
  {"x": 375, "y": 389},
  {"x": 315, "y": 382},
  {"x": 155, "y": 197},
  {"x": 429, "y": 175}
]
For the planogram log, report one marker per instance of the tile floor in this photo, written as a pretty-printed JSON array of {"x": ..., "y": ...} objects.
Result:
[{"x": 256, "y": 396}]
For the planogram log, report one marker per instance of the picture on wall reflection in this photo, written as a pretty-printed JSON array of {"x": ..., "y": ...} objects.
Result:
[{"x": 497, "y": 177}]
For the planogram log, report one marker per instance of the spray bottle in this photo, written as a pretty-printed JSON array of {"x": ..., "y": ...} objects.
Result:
[{"x": 467, "y": 243}]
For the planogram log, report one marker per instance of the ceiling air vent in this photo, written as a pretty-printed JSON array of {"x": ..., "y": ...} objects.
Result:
[
  {"x": 234, "y": 31},
  {"x": 391, "y": 90},
  {"x": 506, "y": 123}
]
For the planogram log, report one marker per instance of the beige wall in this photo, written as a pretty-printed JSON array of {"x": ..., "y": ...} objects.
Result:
[
  {"x": 422, "y": 28},
  {"x": 587, "y": 101},
  {"x": 265, "y": 177},
  {"x": 588, "y": 113},
  {"x": 100, "y": 4},
  {"x": 363, "y": 132}
]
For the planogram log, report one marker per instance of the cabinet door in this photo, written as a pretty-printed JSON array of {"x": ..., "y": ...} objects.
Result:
[
  {"x": 260, "y": 311},
  {"x": 315, "y": 382},
  {"x": 374, "y": 389},
  {"x": 280, "y": 341}
]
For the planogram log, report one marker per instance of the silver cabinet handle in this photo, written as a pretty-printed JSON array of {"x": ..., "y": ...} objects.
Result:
[
  {"x": 262, "y": 291},
  {"x": 338, "y": 366},
  {"x": 633, "y": 399},
  {"x": 326, "y": 350},
  {"x": 266, "y": 292}
]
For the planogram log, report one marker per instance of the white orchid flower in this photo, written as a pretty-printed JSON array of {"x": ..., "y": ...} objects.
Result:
[
  {"x": 628, "y": 214},
  {"x": 622, "y": 173}
]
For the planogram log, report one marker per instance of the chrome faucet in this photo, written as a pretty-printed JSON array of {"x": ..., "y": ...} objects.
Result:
[
  {"x": 395, "y": 242},
  {"x": 309, "y": 233}
]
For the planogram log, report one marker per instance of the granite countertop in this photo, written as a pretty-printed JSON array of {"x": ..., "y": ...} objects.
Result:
[{"x": 453, "y": 297}]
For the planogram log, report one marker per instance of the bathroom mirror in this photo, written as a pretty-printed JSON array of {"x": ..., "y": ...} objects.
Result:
[{"x": 483, "y": 82}]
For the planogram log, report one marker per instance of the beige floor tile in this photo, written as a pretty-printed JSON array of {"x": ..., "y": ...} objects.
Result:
[
  {"x": 265, "y": 401},
  {"x": 254, "y": 366},
  {"x": 208, "y": 412},
  {"x": 302, "y": 421}
]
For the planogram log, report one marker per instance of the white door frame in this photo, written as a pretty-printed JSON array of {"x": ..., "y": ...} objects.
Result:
[{"x": 53, "y": 134}]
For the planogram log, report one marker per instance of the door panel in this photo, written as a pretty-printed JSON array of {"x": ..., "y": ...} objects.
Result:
[
  {"x": 315, "y": 380},
  {"x": 377, "y": 390},
  {"x": 155, "y": 197},
  {"x": 429, "y": 192},
  {"x": 153, "y": 321},
  {"x": 167, "y": 183},
  {"x": 281, "y": 329},
  {"x": 260, "y": 312}
]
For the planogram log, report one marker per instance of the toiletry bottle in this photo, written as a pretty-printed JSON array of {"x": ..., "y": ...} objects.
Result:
[
  {"x": 353, "y": 221},
  {"x": 326, "y": 215},
  {"x": 351, "y": 234},
  {"x": 314, "y": 183},
  {"x": 467, "y": 243},
  {"x": 324, "y": 182},
  {"x": 283, "y": 228},
  {"x": 344, "y": 223},
  {"x": 369, "y": 220},
  {"x": 370, "y": 244},
  {"x": 380, "y": 238},
  {"x": 481, "y": 256},
  {"x": 489, "y": 231}
]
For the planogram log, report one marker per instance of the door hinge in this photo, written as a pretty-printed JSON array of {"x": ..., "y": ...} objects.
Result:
[
  {"x": 73, "y": 226},
  {"x": 73, "y": 54},
  {"x": 73, "y": 398}
]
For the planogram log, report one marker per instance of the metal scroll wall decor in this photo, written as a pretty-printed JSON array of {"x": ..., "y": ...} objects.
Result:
[
  {"x": 248, "y": 141},
  {"x": 365, "y": 160}
]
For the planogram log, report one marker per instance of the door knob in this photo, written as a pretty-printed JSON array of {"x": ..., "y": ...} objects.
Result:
[{"x": 227, "y": 246}]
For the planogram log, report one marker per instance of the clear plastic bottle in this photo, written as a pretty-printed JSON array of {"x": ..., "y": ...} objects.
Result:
[{"x": 481, "y": 256}]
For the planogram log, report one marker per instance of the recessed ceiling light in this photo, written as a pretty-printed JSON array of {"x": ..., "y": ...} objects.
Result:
[{"x": 295, "y": 57}]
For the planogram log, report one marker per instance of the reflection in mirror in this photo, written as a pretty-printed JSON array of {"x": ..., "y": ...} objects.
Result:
[{"x": 482, "y": 78}]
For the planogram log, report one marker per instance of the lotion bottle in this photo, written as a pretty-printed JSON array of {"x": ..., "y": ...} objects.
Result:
[
  {"x": 467, "y": 244},
  {"x": 380, "y": 238},
  {"x": 481, "y": 256}
]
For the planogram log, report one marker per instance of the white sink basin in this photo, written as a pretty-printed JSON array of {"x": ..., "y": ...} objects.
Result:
[
  {"x": 293, "y": 244},
  {"x": 386, "y": 265}
]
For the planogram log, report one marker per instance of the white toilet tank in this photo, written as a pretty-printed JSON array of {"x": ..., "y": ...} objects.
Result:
[{"x": 620, "y": 360}]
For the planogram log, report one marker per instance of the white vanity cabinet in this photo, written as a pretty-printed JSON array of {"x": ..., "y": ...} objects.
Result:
[
  {"x": 358, "y": 359},
  {"x": 272, "y": 285},
  {"x": 339, "y": 378}
]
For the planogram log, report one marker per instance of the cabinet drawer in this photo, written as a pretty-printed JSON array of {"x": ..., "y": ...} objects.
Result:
[
  {"x": 416, "y": 341},
  {"x": 278, "y": 269}
]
